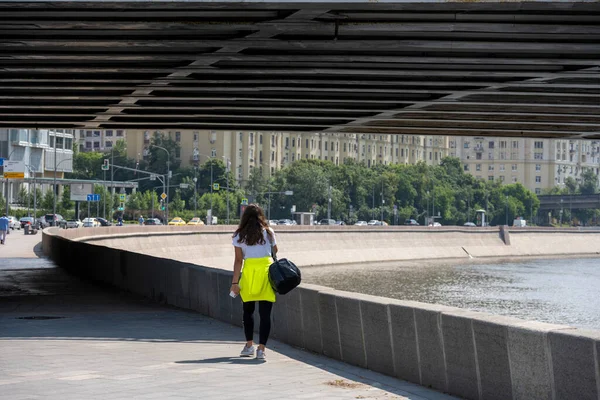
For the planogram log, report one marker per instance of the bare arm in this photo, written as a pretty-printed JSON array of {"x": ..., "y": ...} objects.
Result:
[{"x": 237, "y": 268}]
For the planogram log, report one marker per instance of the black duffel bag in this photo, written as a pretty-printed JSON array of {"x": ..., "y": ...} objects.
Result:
[{"x": 284, "y": 275}]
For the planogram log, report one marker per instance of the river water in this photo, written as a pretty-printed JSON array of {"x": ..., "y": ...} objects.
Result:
[{"x": 561, "y": 291}]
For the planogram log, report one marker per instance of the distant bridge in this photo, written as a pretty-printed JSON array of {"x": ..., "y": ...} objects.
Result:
[{"x": 553, "y": 202}]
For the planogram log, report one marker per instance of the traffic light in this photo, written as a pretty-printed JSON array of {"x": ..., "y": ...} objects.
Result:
[{"x": 105, "y": 165}]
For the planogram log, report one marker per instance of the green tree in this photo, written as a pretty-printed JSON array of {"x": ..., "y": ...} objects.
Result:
[
  {"x": 65, "y": 202},
  {"x": 48, "y": 202}
]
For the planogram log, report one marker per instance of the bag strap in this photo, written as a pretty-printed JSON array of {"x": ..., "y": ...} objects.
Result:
[{"x": 273, "y": 256}]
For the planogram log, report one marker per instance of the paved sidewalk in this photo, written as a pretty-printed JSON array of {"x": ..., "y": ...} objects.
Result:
[{"x": 104, "y": 344}]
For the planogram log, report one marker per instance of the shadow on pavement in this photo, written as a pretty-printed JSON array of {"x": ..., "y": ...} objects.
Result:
[{"x": 224, "y": 360}]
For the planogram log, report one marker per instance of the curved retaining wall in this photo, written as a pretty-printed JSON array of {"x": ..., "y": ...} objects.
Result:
[{"x": 469, "y": 354}]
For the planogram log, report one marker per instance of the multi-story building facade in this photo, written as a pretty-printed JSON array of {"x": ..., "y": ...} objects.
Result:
[
  {"x": 98, "y": 140},
  {"x": 538, "y": 164},
  {"x": 271, "y": 151},
  {"x": 38, "y": 150}
]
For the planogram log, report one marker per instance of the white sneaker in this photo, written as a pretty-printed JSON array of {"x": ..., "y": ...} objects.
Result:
[
  {"x": 247, "y": 351},
  {"x": 260, "y": 355}
]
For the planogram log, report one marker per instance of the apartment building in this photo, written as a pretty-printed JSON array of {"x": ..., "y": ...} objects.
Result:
[
  {"x": 271, "y": 151},
  {"x": 536, "y": 163},
  {"x": 98, "y": 140}
]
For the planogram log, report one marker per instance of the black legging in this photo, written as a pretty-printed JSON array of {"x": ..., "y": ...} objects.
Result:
[{"x": 264, "y": 311}]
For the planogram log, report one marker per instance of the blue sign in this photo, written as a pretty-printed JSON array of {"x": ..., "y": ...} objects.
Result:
[
  {"x": 93, "y": 197},
  {"x": 1, "y": 162}
]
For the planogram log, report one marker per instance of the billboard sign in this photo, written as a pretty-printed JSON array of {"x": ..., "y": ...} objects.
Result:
[
  {"x": 79, "y": 191},
  {"x": 14, "y": 169}
]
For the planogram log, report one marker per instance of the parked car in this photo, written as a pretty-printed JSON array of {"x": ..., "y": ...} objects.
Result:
[
  {"x": 437, "y": 224},
  {"x": 195, "y": 221},
  {"x": 152, "y": 221},
  {"x": 361, "y": 223},
  {"x": 177, "y": 221},
  {"x": 104, "y": 222},
  {"x": 469, "y": 224},
  {"x": 272, "y": 222},
  {"x": 286, "y": 222},
  {"x": 53, "y": 220},
  {"x": 340, "y": 223},
  {"x": 90, "y": 223},
  {"x": 13, "y": 223},
  {"x": 374, "y": 222},
  {"x": 26, "y": 220},
  {"x": 327, "y": 222},
  {"x": 411, "y": 222},
  {"x": 74, "y": 223}
]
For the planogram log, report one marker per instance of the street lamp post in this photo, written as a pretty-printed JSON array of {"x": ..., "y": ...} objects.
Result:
[
  {"x": 168, "y": 177},
  {"x": 54, "y": 182},
  {"x": 195, "y": 189},
  {"x": 6, "y": 181}
]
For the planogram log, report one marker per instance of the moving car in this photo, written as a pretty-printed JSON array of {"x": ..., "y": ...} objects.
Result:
[
  {"x": 437, "y": 224},
  {"x": 74, "y": 223},
  {"x": 177, "y": 221},
  {"x": 90, "y": 223},
  {"x": 104, "y": 222},
  {"x": 286, "y": 222},
  {"x": 152, "y": 221},
  {"x": 26, "y": 220},
  {"x": 469, "y": 224},
  {"x": 195, "y": 221},
  {"x": 411, "y": 222},
  {"x": 272, "y": 222},
  {"x": 361, "y": 223},
  {"x": 13, "y": 223},
  {"x": 375, "y": 222}
]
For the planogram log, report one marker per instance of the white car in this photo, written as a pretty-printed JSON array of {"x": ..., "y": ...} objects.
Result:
[
  {"x": 90, "y": 223},
  {"x": 74, "y": 223},
  {"x": 13, "y": 223},
  {"x": 361, "y": 223},
  {"x": 374, "y": 222}
]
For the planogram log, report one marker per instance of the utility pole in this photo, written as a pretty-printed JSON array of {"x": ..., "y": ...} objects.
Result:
[
  {"x": 211, "y": 191},
  {"x": 227, "y": 177},
  {"x": 382, "y": 201},
  {"x": 506, "y": 210},
  {"x": 54, "y": 186},
  {"x": 373, "y": 209}
]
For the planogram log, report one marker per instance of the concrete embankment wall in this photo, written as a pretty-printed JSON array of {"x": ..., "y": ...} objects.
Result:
[
  {"x": 340, "y": 245},
  {"x": 468, "y": 354}
]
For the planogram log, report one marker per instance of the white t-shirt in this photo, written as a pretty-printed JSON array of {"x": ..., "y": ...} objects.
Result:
[{"x": 258, "y": 250}]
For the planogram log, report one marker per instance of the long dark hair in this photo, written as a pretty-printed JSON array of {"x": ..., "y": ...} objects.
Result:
[{"x": 251, "y": 226}]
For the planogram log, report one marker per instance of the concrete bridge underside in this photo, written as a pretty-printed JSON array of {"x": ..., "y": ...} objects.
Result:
[{"x": 498, "y": 69}]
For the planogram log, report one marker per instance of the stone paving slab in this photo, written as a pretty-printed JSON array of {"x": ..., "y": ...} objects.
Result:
[{"x": 109, "y": 345}]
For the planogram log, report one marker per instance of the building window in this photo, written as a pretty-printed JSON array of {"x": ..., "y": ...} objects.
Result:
[
  {"x": 177, "y": 152},
  {"x": 119, "y": 133},
  {"x": 306, "y": 144},
  {"x": 272, "y": 156},
  {"x": 241, "y": 136},
  {"x": 96, "y": 145},
  {"x": 538, "y": 191},
  {"x": 538, "y": 179},
  {"x": 538, "y": 167},
  {"x": 96, "y": 134},
  {"x": 326, "y": 149},
  {"x": 490, "y": 167},
  {"x": 251, "y": 138},
  {"x": 344, "y": 147},
  {"x": 490, "y": 177},
  {"x": 491, "y": 145},
  {"x": 501, "y": 167},
  {"x": 260, "y": 139},
  {"x": 477, "y": 167},
  {"x": 538, "y": 145},
  {"x": 515, "y": 144},
  {"x": 478, "y": 156},
  {"x": 88, "y": 145},
  {"x": 108, "y": 133},
  {"x": 287, "y": 142},
  {"x": 294, "y": 142},
  {"x": 501, "y": 178},
  {"x": 108, "y": 143},
  {"x": 466, "y": 167},
  {"x": 514, "y": 167},
  {"x": 466, "y": 145},
  {"x": 88, "y": 133},
  {"x": 213, "y": 152},
  {"x": 260, "y": 157},
  {"x": 514, "y": 179},
  {"x": 538, "y": 156},
  {"x": 178, "y": 137}
]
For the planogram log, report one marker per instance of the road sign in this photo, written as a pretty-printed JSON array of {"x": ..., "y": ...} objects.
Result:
[
  {"x": 216, "y": 186},
  {"x": 183, "y": 185},
  {"x": 163, "y": 196},
  {"x": 289, "y": 192},
  {"x": 14, "y": 169},
  {"x": 152, "y": 177},
  {"x": 122, "y": 197},
  {"x": 244, "y": 202},
  {"x": 93, "y": 197},
  {"x": 1, "y": 162}
]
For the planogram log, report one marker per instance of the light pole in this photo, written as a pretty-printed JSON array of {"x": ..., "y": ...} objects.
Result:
[
  {"x": 328, "y": 204},
  {"x": 561, "y": 212},
  {"x": 168, "y": 176},
  {"x": 6, "y": 181},
  {"x": 54, "y": 183},
  {"x": 195, "y": 196}
]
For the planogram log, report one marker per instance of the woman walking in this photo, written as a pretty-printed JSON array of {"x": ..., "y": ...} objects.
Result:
[{"x": 254, "y": 243}]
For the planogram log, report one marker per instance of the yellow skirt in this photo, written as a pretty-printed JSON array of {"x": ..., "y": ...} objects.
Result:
[{"x": 254, "y": 282}]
